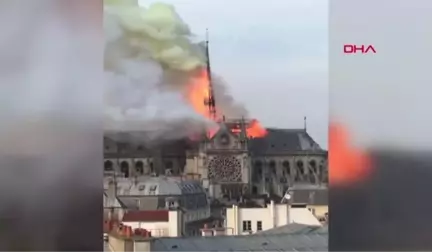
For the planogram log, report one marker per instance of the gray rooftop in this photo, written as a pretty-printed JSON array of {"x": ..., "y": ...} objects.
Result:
[
  {"x": 274, "y": 242},
  {"x": 150, "y": 186},
  {"x": 276, "y": 141},
  {"x": 284, "y": 140},
  {"x": 291, "y": 237},
  {"x": 288, "y": 239},
  {"x": 295, "y": 228}
]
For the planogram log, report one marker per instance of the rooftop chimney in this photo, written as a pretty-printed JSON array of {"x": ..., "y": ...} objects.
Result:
[{"x": 206, "y": 231}]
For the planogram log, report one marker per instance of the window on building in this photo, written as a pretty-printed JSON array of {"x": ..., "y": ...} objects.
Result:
[
  {"x": 259, "y": 225},
  {"x": 312, "y": 210},
  {"x": 152, "y": 190},
  {"x": 247, "y": 226}
]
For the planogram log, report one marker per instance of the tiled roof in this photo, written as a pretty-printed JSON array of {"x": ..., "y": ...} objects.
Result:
[
  {"x": 283, "y": 140},
  {"x": 146, "y": 216},
  {"x": 272, "y": 242},
  {"x": 276, "y": 141},
  {"x": 295, "y": 228},
  {"x": 149, "y": 186}
]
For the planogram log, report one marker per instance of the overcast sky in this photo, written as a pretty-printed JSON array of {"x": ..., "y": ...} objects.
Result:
[{"x": 272, "y": 54}]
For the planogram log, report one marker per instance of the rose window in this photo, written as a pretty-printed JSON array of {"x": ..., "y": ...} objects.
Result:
[{"x": 224, "y": 168}]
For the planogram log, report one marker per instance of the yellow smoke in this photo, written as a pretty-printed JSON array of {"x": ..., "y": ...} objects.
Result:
[{"x": 157, "y": 30}]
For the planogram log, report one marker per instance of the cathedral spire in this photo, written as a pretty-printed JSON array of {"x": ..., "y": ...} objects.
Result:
[{"x": 210, "y": 100}]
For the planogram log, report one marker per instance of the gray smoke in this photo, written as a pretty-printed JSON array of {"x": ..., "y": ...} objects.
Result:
[
  {"x": 226, "y": 103},
  {"x": 150, "y": 59}
]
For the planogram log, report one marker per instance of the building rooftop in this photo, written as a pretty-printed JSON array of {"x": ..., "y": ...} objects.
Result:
[
  {"x": 150, "y": 186},
  {"x": 295, "y": 228},
  {"x": 276, "y": 141},
  {"x": 291, "y": 237},
  {"x": 271, "y": 242},
  {"x": 284, "y": 140}
]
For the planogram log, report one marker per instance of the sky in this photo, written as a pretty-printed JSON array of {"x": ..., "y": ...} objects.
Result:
[{"x": 272, "y": 54}]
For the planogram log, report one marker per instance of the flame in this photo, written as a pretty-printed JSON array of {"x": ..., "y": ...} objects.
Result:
[
  {"x": 255, "y": 130},
  {"x": 197, "y": 93},
  {"x": 346, "y": 164}
]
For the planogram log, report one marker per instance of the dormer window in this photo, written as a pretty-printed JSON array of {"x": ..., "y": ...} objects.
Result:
[{"x": 152, "y": 189}]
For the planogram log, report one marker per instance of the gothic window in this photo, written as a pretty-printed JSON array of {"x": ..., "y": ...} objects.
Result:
[
  {"x": 323, "y": 172},
  {"x": 299, "y": 171},
  {"x": 313, "y": 167},
  {"x": 108, "y": 165},
  {"x": 139, "y": 167},
  {"x": 151, "y": 167},
  {"x": 300, "y": 167},
  {"x": 287, "y": 168},
  {"x": 225, "y": 168},
  {"x": 257, "y": 172},
  {"x": 124, "y": 168},
  {"x": 258, "y": 167},
  {"x": 313, "y": 172},
  {"x": 272, "y": 166}
]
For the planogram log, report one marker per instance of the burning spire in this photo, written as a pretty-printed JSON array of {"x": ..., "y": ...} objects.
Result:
[
  {"x": 200, "y": 94},
  {"x": 209, "y": 101}
]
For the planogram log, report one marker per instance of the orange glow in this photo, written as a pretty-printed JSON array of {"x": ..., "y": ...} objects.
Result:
[
  {"x": 255, "y": 130},
  {"x": 197, "y": 93},
  {"x": 346, "y": 164},
  {"x": 211, "y": 132}
]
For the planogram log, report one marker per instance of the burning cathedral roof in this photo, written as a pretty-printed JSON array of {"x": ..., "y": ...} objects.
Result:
[{"x": 275, "y": 141}]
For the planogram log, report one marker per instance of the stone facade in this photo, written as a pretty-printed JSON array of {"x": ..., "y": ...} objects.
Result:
[{"x": 228, "y": 164}]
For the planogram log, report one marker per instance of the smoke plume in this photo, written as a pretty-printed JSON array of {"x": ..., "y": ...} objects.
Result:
[{"x": 150, "y": 59}]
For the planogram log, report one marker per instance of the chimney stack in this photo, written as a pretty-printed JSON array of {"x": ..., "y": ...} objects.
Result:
[{"x": 206, "y": 231}]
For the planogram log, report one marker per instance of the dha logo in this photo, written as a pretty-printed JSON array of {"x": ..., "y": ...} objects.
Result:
[{"x": 355, "y": 49}]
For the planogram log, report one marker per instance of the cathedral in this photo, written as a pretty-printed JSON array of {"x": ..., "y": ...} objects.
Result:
[{"x": 228, "y": 164}]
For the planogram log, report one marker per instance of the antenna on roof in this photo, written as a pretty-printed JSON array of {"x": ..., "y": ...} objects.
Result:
[{"x": 305, "y": 123}]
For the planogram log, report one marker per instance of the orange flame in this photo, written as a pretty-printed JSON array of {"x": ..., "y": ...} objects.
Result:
[
  {"x": 255, "y": 130},
  {"x": 198, "y": 92},
  {"x": 346, "y": 164}
]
